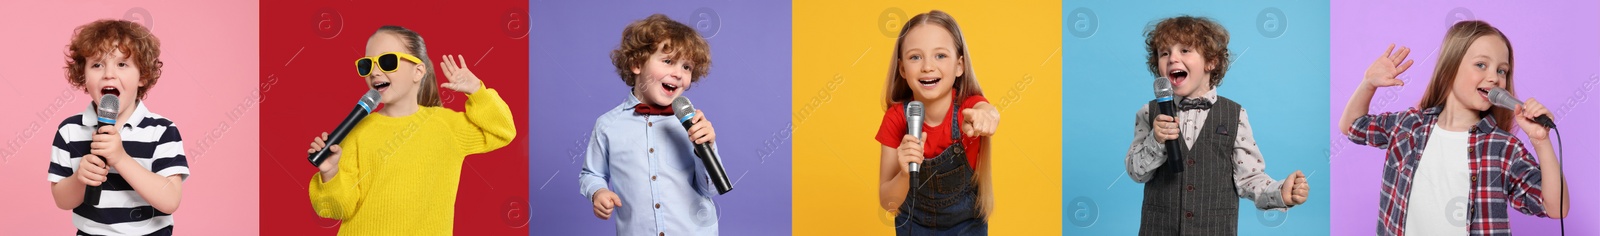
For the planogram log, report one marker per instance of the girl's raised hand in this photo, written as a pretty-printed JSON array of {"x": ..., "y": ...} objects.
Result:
[
  {"x": 460, "y": 78},
  {"x": 1382, "y": 73}
]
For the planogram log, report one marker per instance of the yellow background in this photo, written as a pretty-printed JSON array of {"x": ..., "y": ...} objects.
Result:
[{"x": 841, "y": 60}]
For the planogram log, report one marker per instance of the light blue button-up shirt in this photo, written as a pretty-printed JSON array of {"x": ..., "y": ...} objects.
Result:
[{"x": 649, "y": 162}]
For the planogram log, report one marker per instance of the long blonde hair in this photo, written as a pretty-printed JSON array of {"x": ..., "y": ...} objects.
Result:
[
  {"x": 1456, "y": 42},
  {"x": 896, "y": 89}
]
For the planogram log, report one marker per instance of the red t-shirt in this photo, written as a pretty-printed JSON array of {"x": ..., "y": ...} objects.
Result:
[{"x": 894, "y": 128}]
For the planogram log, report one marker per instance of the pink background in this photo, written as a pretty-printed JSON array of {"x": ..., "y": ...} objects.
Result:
[{"x": 208, "y": 88}]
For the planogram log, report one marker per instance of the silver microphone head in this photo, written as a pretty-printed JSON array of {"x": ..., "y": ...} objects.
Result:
[
  {"x": 108, "y": 109},
  {"x": 1501, "y": 98},
  {"x": 682, "y": 109},
  {"x": 914, "y": 117},
  {"x": 1163, "y": 88},
  {"x": 370, "y": 100}
]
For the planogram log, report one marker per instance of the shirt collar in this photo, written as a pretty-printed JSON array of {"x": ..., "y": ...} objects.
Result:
[
  {"x": 631, "y": 102},
  {"x": 1485, "y": 125},
  {"x": 1210, "y": 96},
  {"x": 90, "y": 117}
]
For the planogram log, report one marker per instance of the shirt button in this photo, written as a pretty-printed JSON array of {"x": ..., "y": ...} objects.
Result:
[
  {"x": 1474, "y": 177},
  {"x": 662, "y": 234},
  {"x": 649, "y": 124},
  {"x": 652, "y": 150},
  {"x": 658, "y": 205},
  {"x": 652, "y": 178}
]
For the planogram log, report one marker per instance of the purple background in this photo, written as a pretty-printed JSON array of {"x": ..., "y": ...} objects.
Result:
[
  {"x": 746, "y": 94},
  {"x": 1554, "y": 45}
]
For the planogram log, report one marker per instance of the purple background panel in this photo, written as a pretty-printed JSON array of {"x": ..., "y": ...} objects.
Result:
[
  {"x": 1554, "y": 43},
  {"x": 746, "y": 94}
]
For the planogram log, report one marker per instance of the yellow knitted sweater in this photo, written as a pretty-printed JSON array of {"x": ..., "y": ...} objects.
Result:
[{"x": 398, "y": 175}]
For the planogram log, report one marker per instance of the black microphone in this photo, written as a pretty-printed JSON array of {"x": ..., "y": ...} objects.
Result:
[
  {"x": 1169, "y": 107},
  {"x": 1501, "y": 98},
  {"x": 685, "y": 113},
  {"x": 914, "y": 117},
  {"x": 107, "y": 112},
  {"x": 363, "y": 107}
]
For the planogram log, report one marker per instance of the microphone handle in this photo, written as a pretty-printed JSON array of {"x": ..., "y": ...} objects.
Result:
[
  {"x": 713, "y": 163},
  {"x": 1545, "y": 121},
  {"x": 915, "y": 167},
  {"x": 337, "y": 136},
  {"x": 719, "y": 177},
  {"x": 91, "y": 194},
  {"x": 1174, "y": 155}
]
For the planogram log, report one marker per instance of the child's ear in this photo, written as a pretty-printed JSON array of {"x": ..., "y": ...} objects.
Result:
[
  {"x": 421, "y": 70},
  {"x": 961, "y": 66}
]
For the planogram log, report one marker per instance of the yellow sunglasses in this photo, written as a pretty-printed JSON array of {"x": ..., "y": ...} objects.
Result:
[{"x": 388, "y": 62}]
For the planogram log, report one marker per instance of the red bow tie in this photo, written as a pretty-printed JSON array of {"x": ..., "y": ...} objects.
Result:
[{"x": 647, "y": 109}]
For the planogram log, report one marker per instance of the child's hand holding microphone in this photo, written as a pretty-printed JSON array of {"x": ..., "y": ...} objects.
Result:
[
  {"x": 330, "y": 167},
  {"x": 1165, "y": 128},
  {"x": 1526, "y": 114},
  {"x": 91, "y": 171},
  {"x": 910, "y": 151}
]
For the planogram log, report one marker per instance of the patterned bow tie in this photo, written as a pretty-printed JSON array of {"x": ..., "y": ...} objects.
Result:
[
  {"x": 646, "y": 109},
  {"x": 1194, "y": 103}
]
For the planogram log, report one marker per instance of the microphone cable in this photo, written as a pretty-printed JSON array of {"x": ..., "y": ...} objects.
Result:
[
  {"x": 911, "y": 198},
  {"x": 1561, "y": 163}
]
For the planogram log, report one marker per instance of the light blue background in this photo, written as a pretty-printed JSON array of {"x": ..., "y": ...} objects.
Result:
[{"x": 1279, "y": 74}]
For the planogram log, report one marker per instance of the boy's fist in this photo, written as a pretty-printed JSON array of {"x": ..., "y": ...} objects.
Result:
[
  {"x": 604, "y": 202},
  {"x": 1295, "y": 189}
]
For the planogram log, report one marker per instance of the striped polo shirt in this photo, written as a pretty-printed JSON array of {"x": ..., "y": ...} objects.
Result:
[{"x": 152, "y": 141}]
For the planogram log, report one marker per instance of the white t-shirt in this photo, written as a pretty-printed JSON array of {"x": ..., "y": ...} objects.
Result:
[{"x": 1439, "y": 189}]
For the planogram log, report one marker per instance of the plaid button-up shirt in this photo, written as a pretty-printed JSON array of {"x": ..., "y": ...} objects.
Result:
[{"x": 1502, "y": 171}]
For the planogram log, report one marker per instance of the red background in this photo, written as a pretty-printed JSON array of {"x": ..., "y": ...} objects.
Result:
[{"x": 308, "y": 83}]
